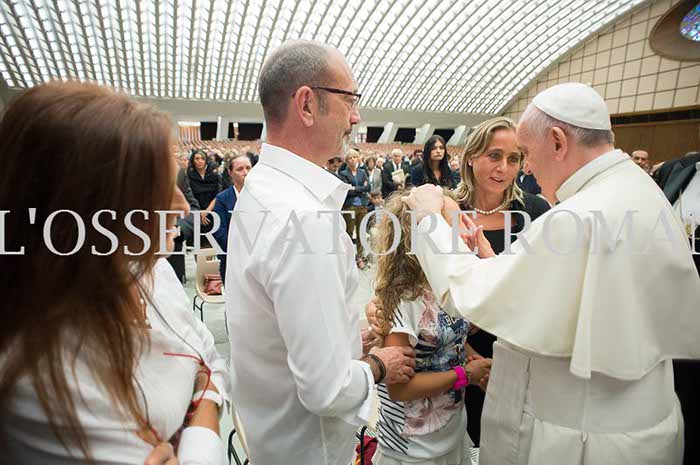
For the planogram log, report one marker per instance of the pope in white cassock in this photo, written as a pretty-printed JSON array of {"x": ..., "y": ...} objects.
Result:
[{"x": 595, "y": 299}]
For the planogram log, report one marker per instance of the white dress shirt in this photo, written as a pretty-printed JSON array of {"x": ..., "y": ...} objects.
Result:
[
  {"x": 297, "y": 384},
  {"x": 167, "y": 384}
]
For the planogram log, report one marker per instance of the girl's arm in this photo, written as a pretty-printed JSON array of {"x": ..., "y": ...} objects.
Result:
[{"x": 424, "y": 385}]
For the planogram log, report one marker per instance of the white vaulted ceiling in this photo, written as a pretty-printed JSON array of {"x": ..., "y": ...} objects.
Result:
[{"x": 419, "y": 55}]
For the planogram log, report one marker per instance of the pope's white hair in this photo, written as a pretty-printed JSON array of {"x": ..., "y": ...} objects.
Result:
[
  {"x": 396, "y": 151},
  {"x": 538, "y": 122}
]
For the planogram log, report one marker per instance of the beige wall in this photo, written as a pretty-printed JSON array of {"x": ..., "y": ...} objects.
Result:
[{"x": 620, "y": 64}]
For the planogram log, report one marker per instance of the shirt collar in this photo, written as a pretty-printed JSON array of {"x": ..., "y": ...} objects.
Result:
[
  {"x": 320, "y": 182},
  {"x": 697, "y": 166},
  {"x": 593, "y": 168}
]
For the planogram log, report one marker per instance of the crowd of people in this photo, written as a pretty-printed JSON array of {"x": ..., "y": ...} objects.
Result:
[{"x": 492, "y": 337}]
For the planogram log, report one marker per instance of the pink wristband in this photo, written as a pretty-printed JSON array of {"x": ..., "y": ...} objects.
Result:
[{"x": 462, "y": 380}]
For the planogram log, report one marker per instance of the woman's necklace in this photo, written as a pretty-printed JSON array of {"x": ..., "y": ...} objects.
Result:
[{"x": 490, "y": 212}]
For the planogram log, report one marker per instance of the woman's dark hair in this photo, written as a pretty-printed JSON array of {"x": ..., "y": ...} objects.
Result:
[
  {"x": 207, "y": 163},
  {"x": 59, "y": 308},
  {"x": 445, "y": 172}
]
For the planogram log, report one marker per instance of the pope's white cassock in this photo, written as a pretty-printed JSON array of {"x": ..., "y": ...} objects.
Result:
[{"x": 587, "y": 322}]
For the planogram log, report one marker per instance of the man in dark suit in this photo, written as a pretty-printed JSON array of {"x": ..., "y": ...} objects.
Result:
[
  {"x": 332, "y": 166},
  {"x": 683, "y": 191},
  {"x": 683, "y": 186},
  {"x": 528, "y": 183},
  {"x": 396, "y": 163},
  {"x": 356, "y": 200},
  {"x": 238, "y": 168},
  {"x": 664, "y": 173}
]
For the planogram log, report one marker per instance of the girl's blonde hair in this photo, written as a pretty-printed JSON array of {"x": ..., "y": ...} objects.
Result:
[
  {"x": 399, "y": 275},
  {"x": 477, "y": 143}
]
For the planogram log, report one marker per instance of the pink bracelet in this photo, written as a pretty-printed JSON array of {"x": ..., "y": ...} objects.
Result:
[{"x": 462, "y": 380}]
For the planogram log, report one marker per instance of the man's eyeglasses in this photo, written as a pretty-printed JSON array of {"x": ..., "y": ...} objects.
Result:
[{"x": 356, "y": 97}]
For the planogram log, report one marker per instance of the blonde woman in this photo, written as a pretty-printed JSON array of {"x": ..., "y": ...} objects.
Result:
[
  {"x": 356, "y": 200},
  {"x": 488, "y": 169},
  {"x": 423, "y": 421}
]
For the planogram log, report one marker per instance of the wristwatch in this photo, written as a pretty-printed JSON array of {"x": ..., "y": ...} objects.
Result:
[{"x": 210, "y": 395}]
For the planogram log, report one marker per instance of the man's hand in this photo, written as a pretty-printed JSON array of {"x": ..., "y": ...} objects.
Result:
[
  {"x": 399, "y": 362},
  {"x": 475, "y": 238},
  {"x": 448, "y": 210},
  {"x": 425, "y": 200}
]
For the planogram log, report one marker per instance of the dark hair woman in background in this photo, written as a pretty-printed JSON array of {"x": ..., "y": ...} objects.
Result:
[
  {"x": 205, "y": 182},
  {"x": 435, "y": 168}
]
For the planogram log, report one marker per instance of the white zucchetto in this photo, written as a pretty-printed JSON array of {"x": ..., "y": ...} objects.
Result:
[{"x": 576, "y": 104}]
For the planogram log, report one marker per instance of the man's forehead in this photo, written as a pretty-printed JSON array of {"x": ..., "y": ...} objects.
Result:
[{"x": 340, "y": 69}]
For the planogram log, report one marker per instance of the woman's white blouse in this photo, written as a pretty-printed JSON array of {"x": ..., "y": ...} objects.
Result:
[{"x": 165, "y": 385}]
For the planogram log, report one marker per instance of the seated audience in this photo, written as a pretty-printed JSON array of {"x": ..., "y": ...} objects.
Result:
[{"x": 102, "y": 360}]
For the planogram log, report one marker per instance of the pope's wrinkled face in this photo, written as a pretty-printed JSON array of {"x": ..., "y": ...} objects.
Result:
[{"x": 539, "y": 154}]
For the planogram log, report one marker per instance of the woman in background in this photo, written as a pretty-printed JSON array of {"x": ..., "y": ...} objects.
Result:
[
  {"x": 374, "y": 173},
  {"x": 101, "y": 359},
  {"x": 205, "y": 182},
  {"x": 435, "y": 168}
]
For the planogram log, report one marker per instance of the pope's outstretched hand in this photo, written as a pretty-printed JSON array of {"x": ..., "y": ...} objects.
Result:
[{"x": 425, "y": 200}]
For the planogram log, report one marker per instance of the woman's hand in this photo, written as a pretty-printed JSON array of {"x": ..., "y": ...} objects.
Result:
[
  {"x": 204, "y": 215},
  {"x": 478, "y": 371},
  {"x": 162, "y": 453}
]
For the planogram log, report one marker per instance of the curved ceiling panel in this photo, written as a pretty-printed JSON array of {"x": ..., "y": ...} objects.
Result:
[{"x": 422, "y": 55}]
